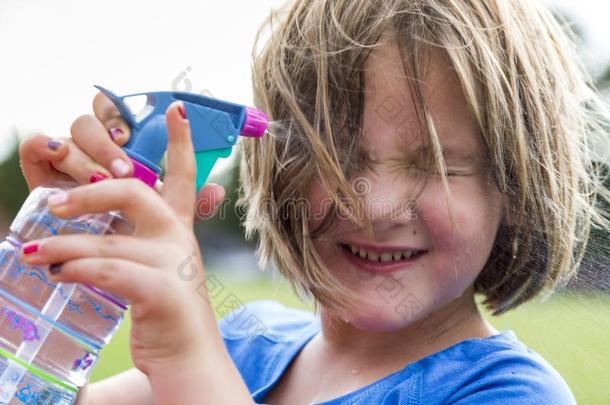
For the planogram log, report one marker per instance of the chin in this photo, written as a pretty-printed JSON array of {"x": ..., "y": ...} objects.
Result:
[
  {"x": 377, "y": 324},
  {"x": 381, "y": 316}
]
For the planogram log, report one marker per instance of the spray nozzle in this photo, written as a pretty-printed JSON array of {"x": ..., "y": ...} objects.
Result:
[{"x": 215, "y": 126}]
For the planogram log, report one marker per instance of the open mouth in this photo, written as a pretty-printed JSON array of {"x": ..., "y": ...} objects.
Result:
[{"x": 379, "y": 260}]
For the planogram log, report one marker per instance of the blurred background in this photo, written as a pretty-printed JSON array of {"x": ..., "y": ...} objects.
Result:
[{"x": 54, "y": 52}]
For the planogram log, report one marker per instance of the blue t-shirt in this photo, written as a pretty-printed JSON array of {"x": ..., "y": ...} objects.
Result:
[{"x": 263, "y": 338}]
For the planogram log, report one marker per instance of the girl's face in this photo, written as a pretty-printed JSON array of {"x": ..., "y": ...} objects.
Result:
[{"x": 417, "y": 262}]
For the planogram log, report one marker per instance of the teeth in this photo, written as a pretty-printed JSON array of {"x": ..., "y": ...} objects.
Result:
[
  {"x": 386, "y": 257},
  {"x": 383, "y": 257}
]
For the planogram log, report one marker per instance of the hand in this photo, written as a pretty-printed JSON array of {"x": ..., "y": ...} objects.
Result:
[
  {"x": 158, "y": 268},
  {"x": 92, "y": 153}
]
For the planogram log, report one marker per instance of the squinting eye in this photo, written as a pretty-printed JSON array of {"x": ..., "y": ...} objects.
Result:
[
  {"x": 448, "y": 173},
  {"x": 453, "y": 173}
]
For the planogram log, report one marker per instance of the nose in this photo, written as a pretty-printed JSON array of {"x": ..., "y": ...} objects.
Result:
[{"x": 389, "y": 201}]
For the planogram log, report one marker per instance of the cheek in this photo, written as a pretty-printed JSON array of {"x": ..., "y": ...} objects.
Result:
[
  {"x": 319, "y": 204},
  {"x": 461, "y": 250}
]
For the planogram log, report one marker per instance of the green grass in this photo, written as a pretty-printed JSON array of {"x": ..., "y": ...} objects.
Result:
[{"x": 571, "y": 332}]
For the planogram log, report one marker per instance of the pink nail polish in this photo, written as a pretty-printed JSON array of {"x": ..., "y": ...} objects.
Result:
[
  {"x": 30, "y": 248},
  {"x": 182, "y": 111},
  {"x": 97, "y": 176}
]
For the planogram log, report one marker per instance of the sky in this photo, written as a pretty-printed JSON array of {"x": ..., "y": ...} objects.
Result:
[{"x": 53, "y": 52}]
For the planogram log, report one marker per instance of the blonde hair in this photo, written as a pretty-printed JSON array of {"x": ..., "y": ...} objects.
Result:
[{"x": 537, "y": 109}]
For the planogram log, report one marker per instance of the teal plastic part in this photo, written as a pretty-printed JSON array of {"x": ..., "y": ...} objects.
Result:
[{"x": 205, "y": 161}]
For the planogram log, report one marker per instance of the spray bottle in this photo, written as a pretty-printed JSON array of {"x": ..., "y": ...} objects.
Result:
[{"x": 51, "y": 334}]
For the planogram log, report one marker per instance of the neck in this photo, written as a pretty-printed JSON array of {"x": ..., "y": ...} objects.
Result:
[{"x": 457, "y": 321}]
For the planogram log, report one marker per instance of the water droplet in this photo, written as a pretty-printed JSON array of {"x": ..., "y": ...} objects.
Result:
[{"x": 355, "y": 371}]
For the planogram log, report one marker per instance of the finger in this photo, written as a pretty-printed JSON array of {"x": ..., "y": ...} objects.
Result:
[
  {"x": 158, "y": 186},
  {"x": 179, "y": 181},
  {"x": 107, "y": 113},
  {"x": 209, "y": 199},
  {"x": 133, "y": 281},
  {"x": 36, "y": 153},
  {"x": 92, "y": 137},
  {"x": 61, "y": 248},
  {"x": 80, "y": 166},
  {"x": 140, "y": 204}
]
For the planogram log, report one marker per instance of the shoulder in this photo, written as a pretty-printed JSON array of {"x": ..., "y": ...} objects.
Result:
[{"x": 497, "y": 370}]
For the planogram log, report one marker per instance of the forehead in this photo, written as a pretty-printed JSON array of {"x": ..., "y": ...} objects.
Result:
[{"x": 390, "y": 114}]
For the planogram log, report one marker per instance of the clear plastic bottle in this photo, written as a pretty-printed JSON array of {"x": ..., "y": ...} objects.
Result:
[{"x": 58, "y": 328}]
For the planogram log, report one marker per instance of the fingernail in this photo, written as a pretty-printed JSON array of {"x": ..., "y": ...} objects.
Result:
[
  {"x": 119, "y": 168},
  {"x": 55, "y": 268},
  {"x": 182, "y": 111},
  {"x": 58, "y": 198},
  {"x": 54, "y": 144},
  {"x": 97, "y": 176},
  {"x": 115, "y": 133},
  {"x": 30, "y": 248}
]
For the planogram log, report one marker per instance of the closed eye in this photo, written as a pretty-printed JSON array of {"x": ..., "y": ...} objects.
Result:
[{"x": 451, "y": 172}]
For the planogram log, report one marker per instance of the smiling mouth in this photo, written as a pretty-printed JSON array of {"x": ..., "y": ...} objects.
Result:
[{"x": 380, "y": 257}]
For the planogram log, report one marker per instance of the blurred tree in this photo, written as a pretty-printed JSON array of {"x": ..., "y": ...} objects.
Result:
[{"x": 13, "y": 188}]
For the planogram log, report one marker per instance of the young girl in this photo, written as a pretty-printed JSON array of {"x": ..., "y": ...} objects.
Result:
[{"x": 425, "y": 151}]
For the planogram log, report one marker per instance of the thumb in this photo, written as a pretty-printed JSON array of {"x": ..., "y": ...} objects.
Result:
[{"x": 179, "y": 181}]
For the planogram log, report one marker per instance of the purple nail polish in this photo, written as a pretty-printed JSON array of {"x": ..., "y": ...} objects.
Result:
[
  {"x": 115, "y": 133},
  {"x": 55, "y": 268},
  {"x": 54, "y": 144}
]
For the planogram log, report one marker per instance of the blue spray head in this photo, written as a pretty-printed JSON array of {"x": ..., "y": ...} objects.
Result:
[{"x": 215, "y": 126}]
